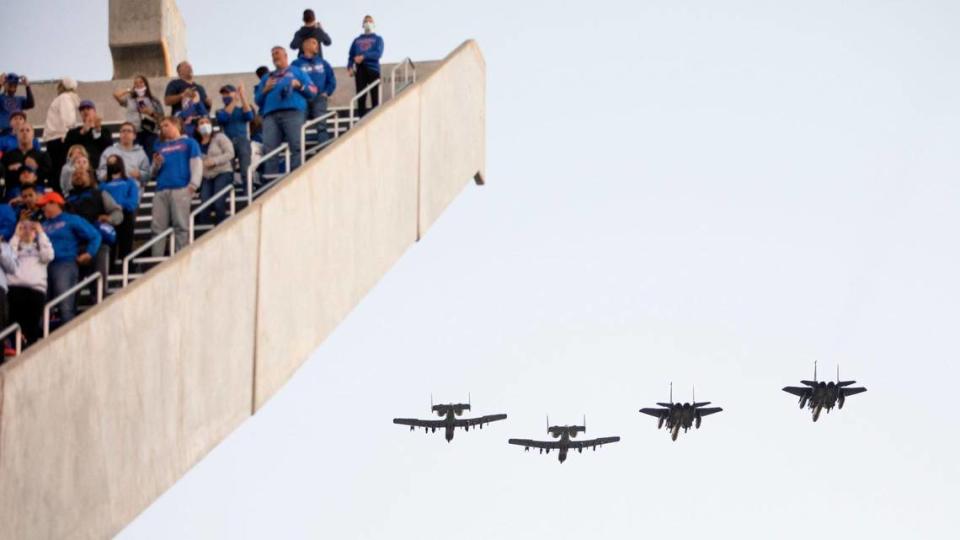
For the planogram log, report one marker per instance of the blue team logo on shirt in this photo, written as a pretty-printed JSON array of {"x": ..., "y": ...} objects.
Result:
[{"x": 50, "y": 227}]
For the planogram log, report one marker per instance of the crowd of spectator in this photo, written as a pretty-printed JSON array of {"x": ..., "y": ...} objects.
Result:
[{"x": 68, "y": 203}]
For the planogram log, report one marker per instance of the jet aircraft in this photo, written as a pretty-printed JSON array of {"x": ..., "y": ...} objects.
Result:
[
  {"x": 449, "y": 413},
  {"x": 819, "y": 395},
  {"x": 564, "y": 442},
  {"x": 680, "y": 415}
]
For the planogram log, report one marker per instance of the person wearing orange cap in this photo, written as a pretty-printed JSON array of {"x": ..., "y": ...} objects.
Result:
[{"x": 67, "y": 232}]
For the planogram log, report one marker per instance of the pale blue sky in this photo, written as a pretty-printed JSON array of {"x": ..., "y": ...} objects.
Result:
[{"x": 714, "y": 193}]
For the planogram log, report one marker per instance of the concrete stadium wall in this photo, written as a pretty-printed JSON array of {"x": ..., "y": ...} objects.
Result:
[
  {"x": 452, "y": 131},
  {"x": 102, "y": 417},
  {"x": 354, "y": 215}
]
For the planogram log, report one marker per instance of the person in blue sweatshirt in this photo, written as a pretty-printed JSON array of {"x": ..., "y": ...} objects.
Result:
[
  {"x": 364, "y": 63},
  {"x": 234, "y": 119},
  {"x": 126, "y": 192},
  {"x": 321, "y": 73},
  {"x": 9, "y": 141},
  {"x": 8, "y": 221},
  {"x": 10, "y": 102},
  {"x": 67, "y": 232},
  {"x": 282, "y": 96},
  {"x": 178, "y": 168}
]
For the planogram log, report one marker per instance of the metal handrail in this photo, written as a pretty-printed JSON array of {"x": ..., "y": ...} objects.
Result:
[
  {"x": 393, "y": 75},
  {"x": 303, "y": 134},
  {"x": 144, "y": 247},
  {"x": 96, "y": 276},
  {"x": 285, "y": 148},
  {"x": 356, "y": 98},
  {"x": 191, "y": 227},
  {"x": 13, "y": 329}
]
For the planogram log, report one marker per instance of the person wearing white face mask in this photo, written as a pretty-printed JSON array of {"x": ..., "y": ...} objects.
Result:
[
  {"x": 216, "y": 151},
  {"x": 364, "y": 63},
  {"x": 143, "y": 110}
]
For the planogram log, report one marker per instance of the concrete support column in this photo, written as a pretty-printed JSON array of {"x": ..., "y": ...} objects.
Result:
[{"x": 146, "y": 37}]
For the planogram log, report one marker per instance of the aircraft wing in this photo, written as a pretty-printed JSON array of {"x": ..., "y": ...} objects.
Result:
[
  {"x": 851, "y": 391},
  {"x": 466, "y": 422},
  {"x": 593, "y": 442},
  {"x": 796, "y": 390},
  {"x": 419, "y": 423},
  {"x": 655, "y": 412},
  {"x": 709, "y": 410},
  {"x": 551, "y": 445}
]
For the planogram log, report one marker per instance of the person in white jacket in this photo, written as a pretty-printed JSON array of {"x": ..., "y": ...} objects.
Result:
[
  {"x": 28, "y": 284},
  {"x": 9, "y": 266},
  {"x": 62, "y": 116}
]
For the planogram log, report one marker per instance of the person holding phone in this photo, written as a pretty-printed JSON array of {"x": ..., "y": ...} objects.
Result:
[
  {"x": 10, "y": 102},
  {"x": 33, "y": 251},
  {"x": 311, "y": 29},
  {"x": 142, "y": 110},
  {"x": 177, "y": 89},
  {"x": 178, "y": 168}
]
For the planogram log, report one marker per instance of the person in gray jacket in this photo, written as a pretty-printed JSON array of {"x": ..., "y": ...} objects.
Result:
[
  {"x": 28, "y": 284},
  {"x": 134, "y": 157},
  {"x": 217, "y": 154}
]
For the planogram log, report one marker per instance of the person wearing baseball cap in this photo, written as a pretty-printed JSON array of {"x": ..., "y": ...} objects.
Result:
[
  {"x": 62, "y": 116},
  {"x": 90, "y": 134},
  {"x": 10, "y": 102},
  {"x": 75, "y": 242},
  {"x": 234, "y": 118},
  {"x": 28, "y": 177}
]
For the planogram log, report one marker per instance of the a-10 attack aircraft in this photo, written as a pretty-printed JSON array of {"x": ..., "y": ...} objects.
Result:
[
  {"x": 449, "y": 412},
  {"x": 680, "y": 415},
  {"x": 819, "y": 395},
  {"x": 564, "y": 434}
]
